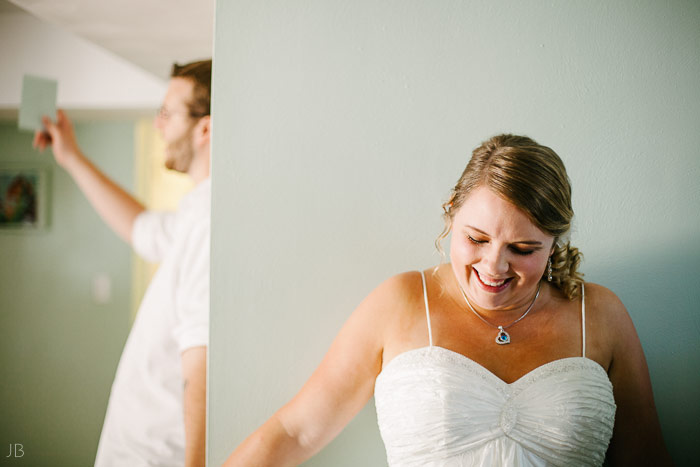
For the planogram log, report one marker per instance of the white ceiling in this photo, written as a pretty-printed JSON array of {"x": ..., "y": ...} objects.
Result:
[
  {"x": 91, "y": 79},
  {"x": 151, "y": 34}
]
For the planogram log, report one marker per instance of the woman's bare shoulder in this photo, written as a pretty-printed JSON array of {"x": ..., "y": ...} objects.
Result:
[
  {"x": 396, "y": 306},
  {"x": 609, "y": 321},
  {"x": 603, "y": 302},
  {"x": 397, "y": 292}
]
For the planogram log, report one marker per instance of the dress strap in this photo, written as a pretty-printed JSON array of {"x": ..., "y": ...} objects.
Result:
[
  {"x": 427, "y": 310},
  {"x": 583, "y": 320}
]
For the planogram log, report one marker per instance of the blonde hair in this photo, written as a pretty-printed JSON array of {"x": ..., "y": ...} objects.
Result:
[{"x": 533, "y": 178}]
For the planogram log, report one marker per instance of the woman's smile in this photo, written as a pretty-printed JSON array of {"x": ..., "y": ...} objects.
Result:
[{"x": 492, "y": 285}]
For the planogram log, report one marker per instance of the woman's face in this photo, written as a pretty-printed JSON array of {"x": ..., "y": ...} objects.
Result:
[{"x": 498, "y": 255}]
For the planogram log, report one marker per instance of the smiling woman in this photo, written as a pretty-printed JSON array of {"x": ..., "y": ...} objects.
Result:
[{"x": 570, "y": 384}]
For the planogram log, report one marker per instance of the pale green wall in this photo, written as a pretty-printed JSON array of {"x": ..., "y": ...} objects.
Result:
[
  {"x": 341, "y": 126},
  {"x": 58, "y": 349}
]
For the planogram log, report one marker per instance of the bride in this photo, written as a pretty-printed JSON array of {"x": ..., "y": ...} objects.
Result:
[{"x": 503, "y": 356}]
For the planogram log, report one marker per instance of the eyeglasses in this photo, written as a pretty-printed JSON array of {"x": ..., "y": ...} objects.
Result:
[{"x": 164, "y": 113}]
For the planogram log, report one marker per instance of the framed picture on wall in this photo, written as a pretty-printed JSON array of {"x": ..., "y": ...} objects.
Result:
[{"x": 23, "y": 198}]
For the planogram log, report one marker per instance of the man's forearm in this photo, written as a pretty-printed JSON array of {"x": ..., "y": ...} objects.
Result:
[
  {"x": 114, "y": 205},
  {"x": 194, "y": 366}
]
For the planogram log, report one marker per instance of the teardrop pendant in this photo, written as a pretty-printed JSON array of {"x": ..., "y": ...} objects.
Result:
[{"x": 502, "y": 338}]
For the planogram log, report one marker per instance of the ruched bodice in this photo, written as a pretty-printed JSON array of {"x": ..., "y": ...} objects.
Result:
[{"x": 436, "y": 407}]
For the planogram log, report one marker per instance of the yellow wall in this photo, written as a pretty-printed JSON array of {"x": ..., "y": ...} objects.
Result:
[{"x": 158, "y": 188}]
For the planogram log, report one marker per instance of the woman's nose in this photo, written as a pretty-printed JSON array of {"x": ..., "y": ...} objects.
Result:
[{"x": 496, "y": 262}]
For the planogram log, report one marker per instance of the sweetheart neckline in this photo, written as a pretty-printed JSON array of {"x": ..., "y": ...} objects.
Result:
[{"x": 479, "y": 367}]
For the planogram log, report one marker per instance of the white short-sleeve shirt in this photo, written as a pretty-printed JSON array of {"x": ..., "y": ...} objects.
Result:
[{"x": 144, "y": 424}]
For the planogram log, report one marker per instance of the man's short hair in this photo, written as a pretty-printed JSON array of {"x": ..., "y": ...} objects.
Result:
[{"x": 199, "y": 73}]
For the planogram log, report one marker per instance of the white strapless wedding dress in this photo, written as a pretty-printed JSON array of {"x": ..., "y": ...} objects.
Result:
[{"x": 436, "y": 407}]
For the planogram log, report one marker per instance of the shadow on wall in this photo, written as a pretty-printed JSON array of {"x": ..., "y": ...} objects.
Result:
[{"x": 662, "y": 296}]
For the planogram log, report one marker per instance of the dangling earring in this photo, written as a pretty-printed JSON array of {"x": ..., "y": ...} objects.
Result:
[{"x": 549, "y": 269}]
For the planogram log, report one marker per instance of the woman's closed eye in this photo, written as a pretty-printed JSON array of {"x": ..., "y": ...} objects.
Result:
[
  {"x": 473, "y": 240},
  {"x": 518, "y": 251},
  {"x": 514, "y": 249}
]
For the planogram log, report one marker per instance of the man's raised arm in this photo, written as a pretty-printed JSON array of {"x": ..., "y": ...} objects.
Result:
[{"x": 116, "y": 207}]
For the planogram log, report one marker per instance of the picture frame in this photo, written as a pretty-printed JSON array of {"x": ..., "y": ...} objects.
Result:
[{"x": 23, "y": 198}]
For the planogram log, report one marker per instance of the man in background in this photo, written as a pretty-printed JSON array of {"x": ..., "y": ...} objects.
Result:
[{"x": 157, "y": 406}]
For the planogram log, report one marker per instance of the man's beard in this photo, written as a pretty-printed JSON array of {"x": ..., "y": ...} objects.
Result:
[{"x": 180, "y": 153}]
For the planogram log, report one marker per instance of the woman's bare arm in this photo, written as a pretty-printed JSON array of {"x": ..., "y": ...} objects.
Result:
[
  {"x": 637, "y": 438},
  {"x": 335, "y": 393}
]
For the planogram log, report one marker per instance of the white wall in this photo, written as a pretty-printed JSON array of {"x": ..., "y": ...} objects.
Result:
[{"x": 341, "y": 126}]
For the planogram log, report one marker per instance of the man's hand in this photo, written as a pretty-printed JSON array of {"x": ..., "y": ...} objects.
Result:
[
  {"x": 60, "y": 136},
  {"x": 116, "y": 207}
]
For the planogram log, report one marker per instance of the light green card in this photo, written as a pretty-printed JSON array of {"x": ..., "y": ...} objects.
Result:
[{"x": 38, "y": 99}]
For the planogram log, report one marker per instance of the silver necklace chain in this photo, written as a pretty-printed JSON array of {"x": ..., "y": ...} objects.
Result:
[{"x": 502, "y": 337}]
